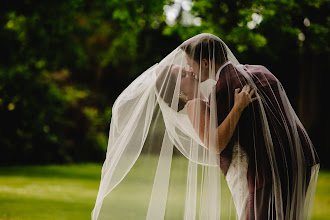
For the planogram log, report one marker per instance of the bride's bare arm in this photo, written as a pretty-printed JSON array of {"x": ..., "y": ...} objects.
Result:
[{"x": 199, "y": 115}]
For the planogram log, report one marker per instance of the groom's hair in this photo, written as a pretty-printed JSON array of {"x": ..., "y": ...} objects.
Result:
[
  {"x": 165, "y": 85},
  {"x": 205, "y": 46}
]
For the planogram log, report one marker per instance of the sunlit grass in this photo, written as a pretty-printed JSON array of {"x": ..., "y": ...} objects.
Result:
[
  {"x": 321, "y": 207},
  {"x": 48, "y": 192},
  {"x": 69, "y": 192}
]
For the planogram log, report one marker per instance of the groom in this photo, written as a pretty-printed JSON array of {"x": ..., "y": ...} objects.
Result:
[{"x": 250, "y": 127}]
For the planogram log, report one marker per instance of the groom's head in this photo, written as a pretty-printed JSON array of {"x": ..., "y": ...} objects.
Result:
[{"x": 202, "y": 51}]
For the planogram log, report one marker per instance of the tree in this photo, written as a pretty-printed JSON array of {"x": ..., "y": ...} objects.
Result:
[
  {"x": 291, "y": 38},
  {"x": 63, "y": 63}
]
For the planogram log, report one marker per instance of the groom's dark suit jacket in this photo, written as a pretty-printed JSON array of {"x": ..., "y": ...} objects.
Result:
[{"x": 249, "y": 131}]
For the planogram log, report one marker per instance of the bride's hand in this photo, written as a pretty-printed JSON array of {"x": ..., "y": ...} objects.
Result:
[{"x": 244, "y": 98}]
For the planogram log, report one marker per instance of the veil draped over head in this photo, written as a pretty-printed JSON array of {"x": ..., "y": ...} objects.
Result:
[{"x": 177, "y": 148}]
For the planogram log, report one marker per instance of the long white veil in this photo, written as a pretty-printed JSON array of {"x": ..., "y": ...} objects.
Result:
[{"x": 164, "y": 158}]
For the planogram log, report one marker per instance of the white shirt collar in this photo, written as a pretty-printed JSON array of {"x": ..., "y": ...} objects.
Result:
[{"x": 223, "y": 66}]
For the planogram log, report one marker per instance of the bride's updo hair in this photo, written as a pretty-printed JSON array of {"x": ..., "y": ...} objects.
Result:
[
  {"x": 205, "y": 46},
  {"x": 165, "y": 85}
]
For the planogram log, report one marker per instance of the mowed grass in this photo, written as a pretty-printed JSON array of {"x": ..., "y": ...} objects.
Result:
[
  {"x": 48, "y": 192},
  {"x": 69, "y": 192}
]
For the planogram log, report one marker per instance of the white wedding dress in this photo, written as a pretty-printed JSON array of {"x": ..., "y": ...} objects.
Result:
[{"x": 237, "y": 180}]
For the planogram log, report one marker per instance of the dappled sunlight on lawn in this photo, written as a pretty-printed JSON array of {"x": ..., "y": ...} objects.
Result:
[{"x": 69, "y": 192}]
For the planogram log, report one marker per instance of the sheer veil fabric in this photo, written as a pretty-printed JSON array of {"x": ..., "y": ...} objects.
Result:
[{"x": 177, "y": 150}]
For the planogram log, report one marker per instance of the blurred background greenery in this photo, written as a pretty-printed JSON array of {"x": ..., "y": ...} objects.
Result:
[{"x": 63, "y": 63}]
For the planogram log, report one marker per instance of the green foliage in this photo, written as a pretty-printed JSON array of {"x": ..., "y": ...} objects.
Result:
[
  {"x": 96, "y": 124},
  {"x": 236, "y": 22},
  {"x": 290, "y": 38},
  {"x": 32, "y": 111},
  {"x": 63, "y": 63}
]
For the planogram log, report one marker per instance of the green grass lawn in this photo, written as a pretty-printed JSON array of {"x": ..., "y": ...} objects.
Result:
[
  {"x": 48, "y": 192},
  {"x": 69, "y": 192}
]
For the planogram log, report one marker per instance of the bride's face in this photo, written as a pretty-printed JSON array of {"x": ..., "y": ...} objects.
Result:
[
  {"x": 189, "y": 84},
  {"x": 200, "y": 70}
]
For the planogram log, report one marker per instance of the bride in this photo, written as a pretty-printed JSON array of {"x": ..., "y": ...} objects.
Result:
[{"x": 195, "y": 111}]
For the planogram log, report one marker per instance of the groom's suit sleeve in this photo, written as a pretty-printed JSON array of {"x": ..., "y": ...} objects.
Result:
[
  {"x": 228, "y": 81},
  {"x": 251, "y": 137},
  {"x": 283, "y": 126}
]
